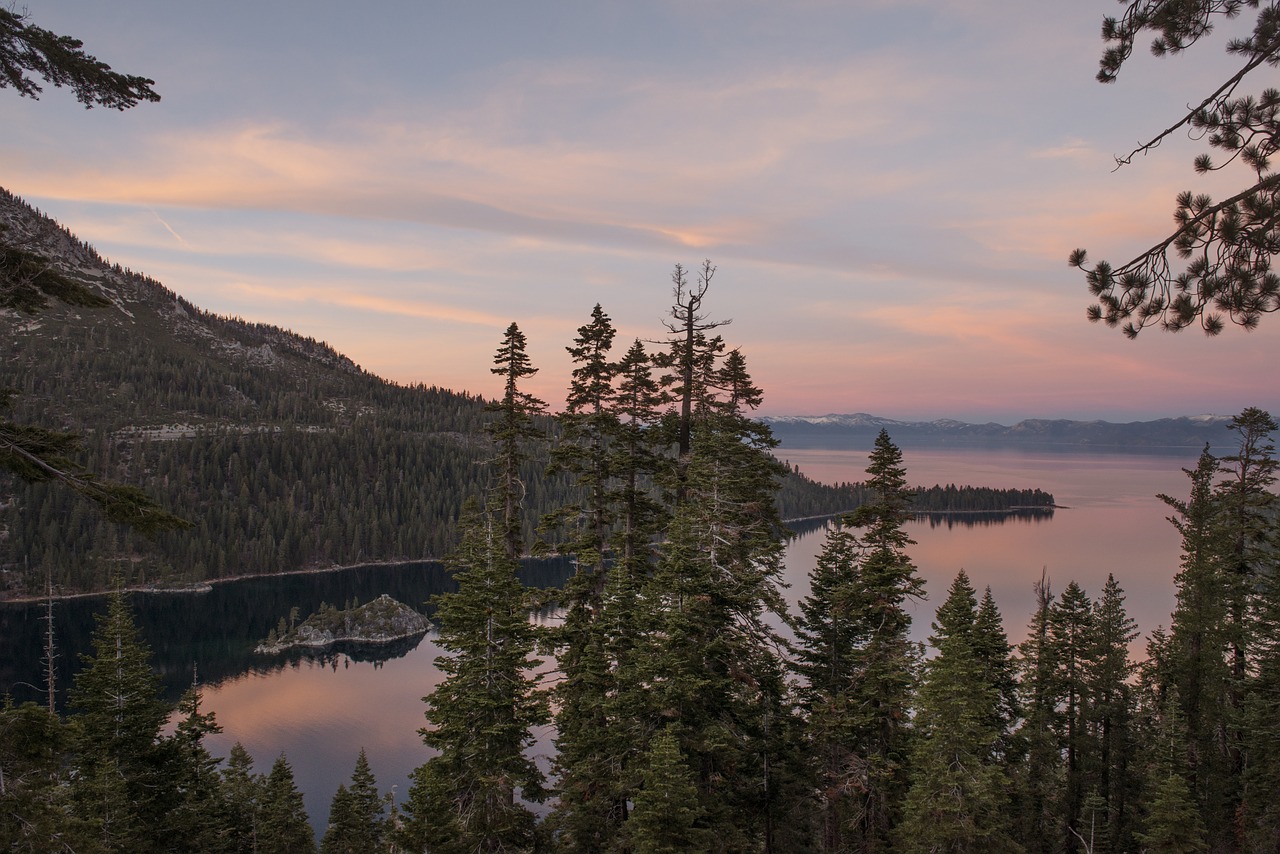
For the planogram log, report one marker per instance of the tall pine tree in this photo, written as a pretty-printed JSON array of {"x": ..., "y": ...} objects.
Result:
[
  {"x": 958, "y": 797},
  {"x": 860, "y": 708}
]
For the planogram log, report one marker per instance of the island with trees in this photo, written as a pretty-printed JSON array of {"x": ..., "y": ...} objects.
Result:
[{"x": 378, "y": 622}]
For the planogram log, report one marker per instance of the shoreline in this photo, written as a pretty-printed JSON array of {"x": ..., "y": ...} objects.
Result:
[{"x": 196, "y": 588}]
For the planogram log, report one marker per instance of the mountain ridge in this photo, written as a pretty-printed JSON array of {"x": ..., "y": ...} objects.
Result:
[
  {"x": 1188, "y": 432},
  {"x": 285, "y": 454}
]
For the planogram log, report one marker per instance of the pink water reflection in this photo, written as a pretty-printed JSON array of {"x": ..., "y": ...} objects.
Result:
[
  {"x": 1112, "y": 523},
  {"x": 322, "y": 714}
]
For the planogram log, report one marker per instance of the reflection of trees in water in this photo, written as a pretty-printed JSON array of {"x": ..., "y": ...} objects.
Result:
[
  {"x": 212, "y": 635},
  {"x": 341, "y": 653},
  {"x": 985, "y": 518},
  {"x": 942, "y": 519}
]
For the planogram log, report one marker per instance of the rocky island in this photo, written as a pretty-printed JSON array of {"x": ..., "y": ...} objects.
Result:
[{"x": 380, "y": 621}]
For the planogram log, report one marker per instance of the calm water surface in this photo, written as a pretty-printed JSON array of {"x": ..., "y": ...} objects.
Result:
[{"x": 321, "y": 709}]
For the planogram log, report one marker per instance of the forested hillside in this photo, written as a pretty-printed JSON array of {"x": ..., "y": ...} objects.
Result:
[{"x": 281, "y": 452}]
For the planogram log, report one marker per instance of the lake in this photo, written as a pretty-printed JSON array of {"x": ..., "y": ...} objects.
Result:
[{"x": 320, "y": 709}]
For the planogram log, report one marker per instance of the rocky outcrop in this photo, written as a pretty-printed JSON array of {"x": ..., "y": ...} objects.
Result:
[{"x": 380, "y": 621}]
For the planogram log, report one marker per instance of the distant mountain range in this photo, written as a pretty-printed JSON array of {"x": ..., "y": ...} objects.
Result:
[{"x": 1165, "y": 435}]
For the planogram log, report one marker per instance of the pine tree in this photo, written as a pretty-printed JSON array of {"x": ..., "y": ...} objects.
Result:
[
  {"x": 511, "y": 430},
  {"x": 241, "y": 801},
  {"x": 355, "y": 815},
  {"x": 993, "y": 651},
  {"x": 589, "y": 810},
  {"x": 863, "y": 663},
  {"x": 829, "y": 635},
  {"x": 196, "y": 821},
  {"x": 691, "y": 358},
  {"x": 887, "y": 658},
  {"x": 1039, "y": 776},
  {"x": 283, "y": 827},
  {"x": 957, "y": 800},
  {"x": 667, "y": 818},
  {"x": 120, "y": 787},
  {"x": 1260, "y": 813},
  {"x": 35, "y": 815},
  {"x": 1248, "y": 511},
  {"x": 636, "y": 460},
  {"x": 1071, "y": 633},
  {"x": 1110, "y": 716},
  {"x": 714, "y": 666},
  {"x": 479, "y": 717},
  {"x": 1173, "y": 822}
]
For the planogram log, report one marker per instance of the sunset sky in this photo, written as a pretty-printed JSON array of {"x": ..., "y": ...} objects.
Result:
[{"x": 889, "y": 189}]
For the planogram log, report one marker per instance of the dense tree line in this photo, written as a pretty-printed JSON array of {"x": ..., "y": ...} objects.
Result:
[
  {"x": 684, "y": 719},
  {"x": 280, "y": 453}
]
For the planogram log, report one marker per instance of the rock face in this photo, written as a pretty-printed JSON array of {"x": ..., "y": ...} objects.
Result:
[{"x": 382, "y": 620}]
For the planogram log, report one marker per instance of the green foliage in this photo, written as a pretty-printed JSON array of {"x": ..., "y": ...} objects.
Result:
[
  {"x": 282, "y": 818},
  {"x": 512, "y": 430},
  {"x": 35, "y": 812},
  {"x": 1173, "y": 823},
  {"x": 479, "y": 717},
  {"x": 667, "y": 815},
  {"x": 1225, "y": 248},
  {"x": 356, "y": 824},
  {"x": 855, "y": 651},
  {"x": 26, "y": 49},
  {"x": 958, "y": 796},
  {"x": 120, "y": 785},
  {"x": 242, "y": 792}
]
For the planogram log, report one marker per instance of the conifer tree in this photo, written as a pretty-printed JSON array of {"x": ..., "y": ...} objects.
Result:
[
  {"x": 196, "y": 821},
  {"x": 120, "y": 787},
  {"x": 355, "y": 815},
  {"x": 886, "y": 661},
  {"x": 994, "y": 653},
  {"x": 511, "y": 431},
  {"x": 635, "y": 460},
  {"x": 1111, "y": 771},
  {"x": 1260, "y": 813},
  {"x": 1173, "y": 822},
  {"x": 1260, "y": 515},
  {"x": 283, "y": 827},
  {"x": 241, "y": 801},
  {"x": 829, "y": 635},
  {"x": 667, "y": 818},
  {"x": 479, "y": 717},
  {"x": 1071, "y": 633},
  {"x": 957, "y": 800},
  {"x": 587, "y": 814},
  {"x": 1197, "y": 671},
  {"x": 35, "y": 815},
  {"x": 691, "y": 358},
  {"x": 1039, "y": 774},
  {"x": 1248, "y": 511},
  {"x": 588, "y": 428},
  {"x": 705, "y": 658},
  {"x": 855, "y": 648}
]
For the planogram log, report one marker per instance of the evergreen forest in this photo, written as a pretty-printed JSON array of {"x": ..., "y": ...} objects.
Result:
[
  {"x": 279, "y": 453},
  {"x": 684, "y": 720},
  {"x": 144, "y": 441}
]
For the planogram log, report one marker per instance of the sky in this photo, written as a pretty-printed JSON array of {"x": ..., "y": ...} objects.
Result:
[{"x": 888, "y": 189}]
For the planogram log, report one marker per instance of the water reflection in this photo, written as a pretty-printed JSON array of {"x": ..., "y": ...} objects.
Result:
[
  {"x": 212, "y": 634},
  {"x": 322, "y": 707}
]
